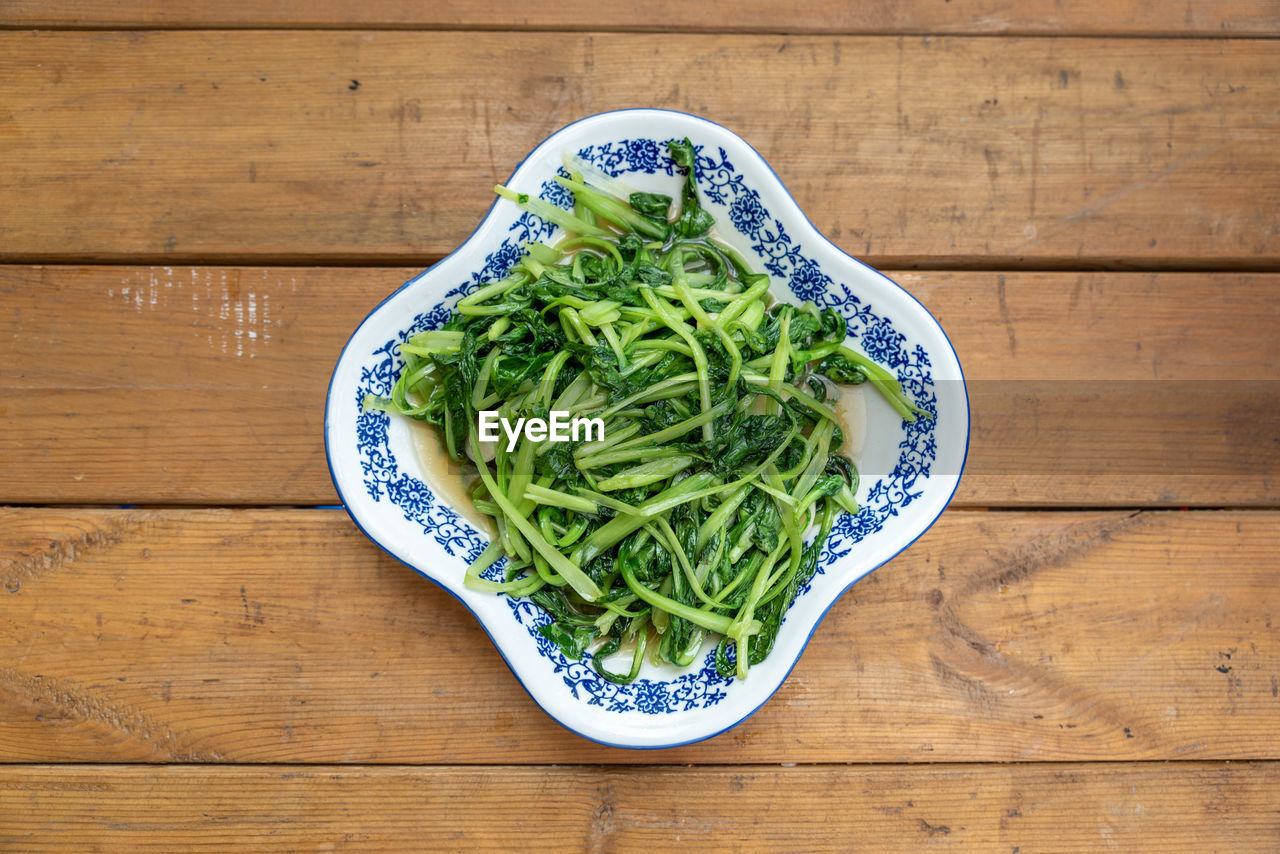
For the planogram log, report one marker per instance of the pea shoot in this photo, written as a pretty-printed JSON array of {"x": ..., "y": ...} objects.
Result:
[{"x": 720, "y": 450}]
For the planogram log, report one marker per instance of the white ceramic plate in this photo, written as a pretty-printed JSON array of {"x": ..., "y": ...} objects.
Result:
[{"x": 908, "y": 472}]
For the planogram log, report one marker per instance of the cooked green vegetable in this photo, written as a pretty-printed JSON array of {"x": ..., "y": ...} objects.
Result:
[{"x": 719, "y": 452}]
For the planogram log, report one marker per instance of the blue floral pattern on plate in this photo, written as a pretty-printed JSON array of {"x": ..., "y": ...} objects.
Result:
[{"x": 784, "y": 258}]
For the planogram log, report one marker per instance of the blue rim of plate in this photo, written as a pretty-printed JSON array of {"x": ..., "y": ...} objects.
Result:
[{"x": 835, "y": 598}]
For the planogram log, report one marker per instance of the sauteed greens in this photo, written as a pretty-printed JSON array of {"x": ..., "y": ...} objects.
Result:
[{"x": 720, "y": 448}]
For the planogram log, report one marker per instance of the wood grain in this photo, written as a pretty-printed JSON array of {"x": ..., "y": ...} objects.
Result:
[
  {"x": 382, "y": 146},
  {"x": 1136, "y": 17},
  {"x": 1130, "y": 807},
  {"x": 1016, "y": 681},
  {"x": 286, "y": 636},
  {"x": 206, "y": 385}
]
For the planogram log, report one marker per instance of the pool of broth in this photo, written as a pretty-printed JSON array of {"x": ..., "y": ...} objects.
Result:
[
  {"x": 450, "y": 480},
  {"x": 851, "y": 414}
]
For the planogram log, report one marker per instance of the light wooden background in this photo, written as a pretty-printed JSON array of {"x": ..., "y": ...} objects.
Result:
[{"x": 199, "y": 201}]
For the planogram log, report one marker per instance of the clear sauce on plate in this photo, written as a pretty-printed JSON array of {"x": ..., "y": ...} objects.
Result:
[
  {"x": 851, "y": 414},
  {"x": 449, "y": 480}
]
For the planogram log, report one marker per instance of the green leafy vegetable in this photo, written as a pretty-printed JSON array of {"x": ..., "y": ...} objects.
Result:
[
  {"x": 693, "y": 219},
  {"x": 720, "y": 450}
]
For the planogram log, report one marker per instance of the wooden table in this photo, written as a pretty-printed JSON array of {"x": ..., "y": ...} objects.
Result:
[{"x": 198, "y": 202}]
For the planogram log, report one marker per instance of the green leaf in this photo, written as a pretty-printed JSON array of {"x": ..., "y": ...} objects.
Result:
[
  {"x": 693, "y": 221},
  {"x": 651, "y": 204}
]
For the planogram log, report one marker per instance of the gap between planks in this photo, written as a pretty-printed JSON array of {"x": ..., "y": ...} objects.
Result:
[
  {"x": 1020, "y": 33},
  {"x": 391, "y": 767},
  {"x": 890, "y": 265}
]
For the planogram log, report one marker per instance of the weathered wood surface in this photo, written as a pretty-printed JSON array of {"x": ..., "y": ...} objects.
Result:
[
  {"x": 1138, "y": 17},
  {"x": 286, "y": 636},
  {"x": 1123, "y": 806},
  {"x": 206, "y": 385},
  {"x": 1053, "y": 661},
  {"x": 382, "y": 146}
]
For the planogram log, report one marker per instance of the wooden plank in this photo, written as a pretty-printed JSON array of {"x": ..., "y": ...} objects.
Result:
[
  {"x": 286, "y": 636},
  {"x": 206, "y": 385},
  {"x": 168, "y": 379},
  {"x": 1128, "y": 17},
  {"x": 1130, "y": 807},
  {"x": 383, "y": 146}
]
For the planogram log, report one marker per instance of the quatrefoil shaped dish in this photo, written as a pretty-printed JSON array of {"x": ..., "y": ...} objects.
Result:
[{"x": 909, "y": 471}]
